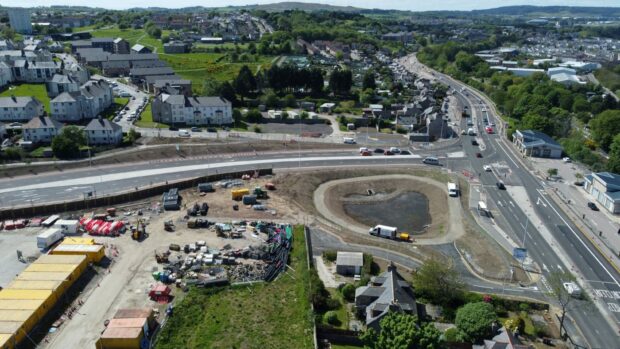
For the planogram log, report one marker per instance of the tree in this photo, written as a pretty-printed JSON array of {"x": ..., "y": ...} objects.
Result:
[
  {"x": 253, "y": 116},
  {"x": 348, "y": 292},
  {"x": 368, "y": 82},
  {"x": 67, "y": 144},
  {"x": 401, "y": 331},
  {"x": 564, "y": 300},
  {"x": 340, "y": 81},
  {"x": 331, "y": 317},
  {"x": 245, "y": 82},
  {"x": 605, "y": 126},
  {"x": 290, "y": 101},
  {"x": 132, "y": 136},
  {"x": 613, "y": 164},
  {"x": 237, "y": 117},
  {"x": 439, "y": 282},
  {"x": 227, "y": 91},
  {"x": 552, "y": 172},
  {"x": 8, "y": 33},
  {"x": 474, "y": 320},
  {"x": 538, "y": 123}
]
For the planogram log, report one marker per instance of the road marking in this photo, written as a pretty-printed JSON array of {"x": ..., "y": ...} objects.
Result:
[
  {"x": 487, "y": 287},
  {"x": 580, "y": 240},
  {"x": 606, "y": 294},
  {"x": 505, "y": 152},
  {"x": 545, "y": 268},
  {"x": 613, "y": 307},
  {"x": 511, "y": 204}
]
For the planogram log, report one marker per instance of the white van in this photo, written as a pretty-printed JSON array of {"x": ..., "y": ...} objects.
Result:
[
  {"x": 184, "y": 133},
  {"x": 453, "y": 189},
  {"x": 349, "y": 140},
  {"x": 431, "y": 160}
]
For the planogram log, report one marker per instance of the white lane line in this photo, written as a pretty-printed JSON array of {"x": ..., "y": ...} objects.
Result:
[
  {"x": 580, "y": 240},
  {"x": 505, "y": 152}
]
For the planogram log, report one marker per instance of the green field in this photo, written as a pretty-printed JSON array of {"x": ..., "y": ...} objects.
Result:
[
  {"x": 267, "y": 315},
  {"x": 26, "y": 90},
  {"x": 609, "y": 78},
  {"x": 134, "y": 36},
  {"x": 146, "y": 119}
]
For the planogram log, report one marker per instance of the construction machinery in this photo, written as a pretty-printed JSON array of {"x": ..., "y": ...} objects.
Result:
[
  {"x": 162, "y": 257},
  {"x": 138, "y": 232},
  {"x": 260, "y": 193},
  {"x": 169, "y": 225}
]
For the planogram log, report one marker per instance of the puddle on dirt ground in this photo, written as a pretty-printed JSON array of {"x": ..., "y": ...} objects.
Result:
[{"x": 408, "y": 212}]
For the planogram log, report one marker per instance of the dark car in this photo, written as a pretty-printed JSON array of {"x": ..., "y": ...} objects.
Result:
[
  {"x": 379, "y": 151},
  {"x": 405, "y": 152},
  {"x": 387, "y": 152},
  {"x": 579, "y": 183},
  {"x": 196, "y": 129},
  {"x": 500, "y": 186},
  {"x": 211, "y": 129},
  {"x": 592, "y": 206},
  {"x": 478, "y": 155},
  {"x": 474, "y": 142},
  {"x": 172, "y": 128}
]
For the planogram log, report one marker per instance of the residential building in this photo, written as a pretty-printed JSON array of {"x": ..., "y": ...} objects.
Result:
[
  {"x": 102, "y": 131},
  {"x": 176, "y": 47},
  {"x": 92, "y": 99},
  {"x": 349, "y": 263},
  {"x": 183, "y": 86},
  {"x": 75, "y": 71},
  {"x": 19, "y": 18},
  {"x": 180, "y": 109},
  {"x": 536, "y": 144},
  {"x": 19, "y": 108},
  {"x": 604, "y": 187},
  {"x": 41, "y": 129},
  {"x": 384, "y": 293},
  {"x": 138, "y": 75},
  {"x": 106, "y": 44},
  {"x": 504, "y": 339},
  {"x": 137, "y": 48},
  {"x": 2, "y": 130},
  {"x": 61, "y": 83},
  {"x": 6, "y": 76},
  {"x": 121, "y": 46}
]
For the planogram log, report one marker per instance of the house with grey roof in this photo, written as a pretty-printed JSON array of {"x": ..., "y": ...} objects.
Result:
[
  {"x": 536, "y": 144},
  {"x": 384, "y": 293},
  {"x": 102, "y": 131},
  {"x": 176, "y": 47},
  {"x": 158, "y": 84},
  {"x": 181, "y": 109},
  {"x": 504, "y": 339},
  {"x": 87, "y": 103},
  {"x": 19, "y": 108},
  {"x": 41, "y": 129},
  {"x": 121, "y": 46},
  {"x": 138, "y": 75},
  {"x": 137, "y": 48},
  {"x": 604, "y": 187},
  {"x": 61, "y": 83}
]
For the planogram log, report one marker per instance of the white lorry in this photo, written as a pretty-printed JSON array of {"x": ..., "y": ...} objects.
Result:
[
  {"x": 388, "y": 232},
  {"x": 48, "y": 238}
]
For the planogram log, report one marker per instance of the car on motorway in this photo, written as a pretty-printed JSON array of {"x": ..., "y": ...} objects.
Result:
[
  {"x": 387, "y": 152},
  {"x": 366, "y": 153},
  {"x": 500, "y": 185},
  {"x": 592, "y": 206},
  {"x": 395, "y": 150},
  {"x": 474, "y": 142},
  {"x": 196, "y": 129},
  {"x": 486, "y": 168},
  {"x": 489, "y": 129},
  {"x": 379, "y": 151},
  {"x": 478, "y": 155}
]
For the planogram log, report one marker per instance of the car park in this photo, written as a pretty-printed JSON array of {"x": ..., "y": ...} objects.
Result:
[{"x": 592, "y": 206}]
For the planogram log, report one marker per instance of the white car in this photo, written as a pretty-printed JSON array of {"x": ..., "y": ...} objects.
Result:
[
  {"x": 395, "y": 150},
  {"x": 486, "y": 168},
  {"x": 567, "y": 160},
  {"x": 363, "y": 149}
]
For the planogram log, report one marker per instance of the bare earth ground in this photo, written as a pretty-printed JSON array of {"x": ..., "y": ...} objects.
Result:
[{"x": 166, "y": 149}]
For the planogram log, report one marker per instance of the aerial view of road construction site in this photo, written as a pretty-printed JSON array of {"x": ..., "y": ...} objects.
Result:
[{"x": 309, "y": 176}]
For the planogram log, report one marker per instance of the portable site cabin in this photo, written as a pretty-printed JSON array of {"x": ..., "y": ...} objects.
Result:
[
  {"x": 132, "y": 313},
  {"x": 93, "y": 253},
  {"x": 78, "y": 241},
  {"x": 28, "y": 318},
  {"x": 171, "y": 200},
  {"x": 205, "y": 188},
  {"x": 48, "y": 238},
  {"x": 121, "y": 338},
  {"x": 67, "y": 226}
]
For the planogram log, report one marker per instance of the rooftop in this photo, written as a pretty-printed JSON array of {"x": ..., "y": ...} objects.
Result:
[{"x": 350, "y": 258}]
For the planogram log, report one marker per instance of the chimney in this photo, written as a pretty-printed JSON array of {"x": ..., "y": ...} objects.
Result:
[{"x": 14, "y": 98}]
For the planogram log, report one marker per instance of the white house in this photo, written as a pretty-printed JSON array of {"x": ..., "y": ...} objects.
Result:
[
  {"x": 41, "y": 130},
  {"x": 180, "y": 109},
  {"x": 19, "y": 108},
  {"x": 102, "y": 131},
  {"x": 92, "y": 99}
]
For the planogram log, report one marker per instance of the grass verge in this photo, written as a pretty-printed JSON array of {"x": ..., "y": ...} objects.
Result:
[
  {"x": 265, "y": 315},
  {"x": 29, "y": 90}
]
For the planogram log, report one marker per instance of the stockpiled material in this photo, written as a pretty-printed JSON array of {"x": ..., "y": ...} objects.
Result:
[
  {"x": 94, "y": 253},
  {"x": 121, "y": 338}
]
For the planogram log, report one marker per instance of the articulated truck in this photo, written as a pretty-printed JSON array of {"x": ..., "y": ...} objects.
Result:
[{"x": 384, "y": 231}]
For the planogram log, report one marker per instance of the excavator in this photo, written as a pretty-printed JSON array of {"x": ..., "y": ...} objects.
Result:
[{"x": 138, "y": 232}]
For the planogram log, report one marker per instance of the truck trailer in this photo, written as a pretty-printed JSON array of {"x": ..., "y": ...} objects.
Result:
[
  {"x": 388, "y": 232},
  {"x": 48, "y": 238}
]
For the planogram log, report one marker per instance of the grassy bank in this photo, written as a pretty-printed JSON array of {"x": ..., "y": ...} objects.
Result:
[
  {"x": 27, "y": 90},
  {"x": 266, "y": 315},
  {"x": 609, "y": 78}
]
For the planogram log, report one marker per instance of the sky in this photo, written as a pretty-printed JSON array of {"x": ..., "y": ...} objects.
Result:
[{"x": 413, "y": 5}]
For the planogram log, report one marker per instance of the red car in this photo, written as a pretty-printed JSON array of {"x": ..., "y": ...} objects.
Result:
[
  {"x": 387, "y": 152},
  {"x": 489, "y": 129},
  {"x": 365, "y": 153},
  {"x": 478, "y": 155}
]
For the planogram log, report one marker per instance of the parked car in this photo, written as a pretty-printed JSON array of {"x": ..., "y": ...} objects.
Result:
[
  {"x": 578, "y": 183},
  {"x": 366, "y": 153},
  {"x": 196, "y": 129},
  {"x": 405, "y": 152},
  {"x": 478, "y": 155},
  {"x": 592, "y": 206},
  {"x": 395, "y": 150},
  {"x": 474, "y": 142},
  {"x": 172, "y": 128},
  {"x": 500, "y": 185},
  {"x": 211, "y": 129},
  {"x": 387, "y": 152},
  {"x": 363, "y": 149},
  {"x": 487, "y": 168},
  {"x": 379, "y": 151}
]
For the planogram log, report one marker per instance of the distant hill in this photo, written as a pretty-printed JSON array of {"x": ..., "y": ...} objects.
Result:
[
  {"x": 285, "y": 6},
  {"x": 551, "y": 11}
]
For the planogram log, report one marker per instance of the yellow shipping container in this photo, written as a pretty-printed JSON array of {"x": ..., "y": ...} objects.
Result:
[
  {"x": 237, "y": 194},
  {"x": 14, "y": 328},
  {"x": 78, "y": 241},
  {"x": 27, "y": 317},
  {"x": 6, "y": 341},
  {"x": 121, "y": 338},
  {"x": 35, "y": 276},
  {"x": 50, "y": 267},
  {"x": 37, "y": 306},
  {"x": 48, "y": 297},
  {"x": 93, "y": 253},
  {"x": 58, "y": 259},
  {"x": 54, "y": 285}
]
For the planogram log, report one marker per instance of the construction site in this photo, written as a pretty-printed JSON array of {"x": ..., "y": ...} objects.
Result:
[{"x": 148, "y": 254}]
